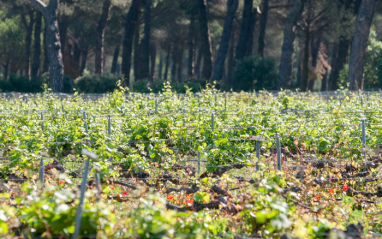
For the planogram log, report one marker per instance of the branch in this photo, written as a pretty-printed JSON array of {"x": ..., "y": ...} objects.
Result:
[{"x": 40, "y": 5}]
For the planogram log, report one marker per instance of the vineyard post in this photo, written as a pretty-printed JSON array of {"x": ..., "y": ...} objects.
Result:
[
  {"x": 108, "y": 125},
  {"x": 198, "y": 162},
  {"x": 97, "y": 182},
  {"x": 86, "y": 123},
  {"x": 81, "y": 204},
  {"x": 278, "y": 145},
  {"x": 41, "y": 172},
  {"x": 364, "y": 141},
  {"x": 62, "y": 107}
]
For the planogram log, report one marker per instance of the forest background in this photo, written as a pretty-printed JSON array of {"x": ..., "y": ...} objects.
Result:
[{"x": 88, "y": 45}]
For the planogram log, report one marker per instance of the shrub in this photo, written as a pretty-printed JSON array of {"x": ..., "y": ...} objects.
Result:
[
  {"x": 255, "y": 72},
  {"x": 19, "y": 83},
  {"x": 88, "y": 83},
  {"x": 68, "y": 84},
  {"x": 93, "y": 83}
]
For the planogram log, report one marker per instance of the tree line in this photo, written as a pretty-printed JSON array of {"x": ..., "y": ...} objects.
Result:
[{"x": 272, "y": 44}]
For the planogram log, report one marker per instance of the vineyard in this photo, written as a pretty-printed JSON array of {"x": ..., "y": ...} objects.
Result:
[{"x": 204, "y": 165}]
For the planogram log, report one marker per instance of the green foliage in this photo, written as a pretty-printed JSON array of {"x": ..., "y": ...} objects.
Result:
[
  {"x": 18, "y": 83},
  {"x": 256, "y": 73},
  {"x": 11, "y": 41},
  {"x": 93, "y": 83},
  {"x": 49, "y": 215}
]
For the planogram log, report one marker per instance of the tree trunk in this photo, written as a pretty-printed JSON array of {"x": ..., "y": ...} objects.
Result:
[
  {"x": 137, "y": 55},
  {"x": 341, "y": 48},
  {"x": 198, "y": 63},
  {"x": 180, "y": 63},
  {"x": 252, "y": 28},
  {"x": 245, "y": 30},
  {"x": 52, "y": 36},
  {"x": 45, "y": 65},
  {"x": 324, "y": 83},
  {"x": 77, "y": 56},
  {"x": 224, "y": 41},
  {"x": 28, "y": 42},
  {"x": 332, "y": 81},
  {"x": 315, "y": 44},
  {"x": 37, "y": 47},
  {"x": 191, "y": 48},
  {"x": 114, "y": 64},
  {"x": 285, "y": 69},
  {"x": 84, "y": 56},
  {"x": 300, "y": 62},
  {"x": 174, "y": 61},
  {"x": 205, "y": 40},
  {"x": 100, "y": 37},
  {"x": 153, "y": 56},
  {"x": 231, "y": 61},
  {"x": 6, "y": 71},
  {"x": 63, "y": 25},
  {"x": 56, "y": 69},
  {"x": 263, "y": 25},
  {"x": 160, "y": 67},
  {"x": 359, "y": 44},
  {"x": 339, "y": 62},
  {"x": 167, "y": 62},
  {"x": 145, "y": 57},
  {"x": 130, "y": 25},
  {"x": 305, "y": 68}
]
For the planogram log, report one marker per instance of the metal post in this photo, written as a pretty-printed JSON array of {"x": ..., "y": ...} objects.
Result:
[
  {"x": 364, "y": 141},
  {"x": 362, "y": 100},
  {"x": 278, "y": 145},
  {"x": 41, "y": 172},
  {"x": 63, "y": 110},
  {"x": 258, "y": 155},
  {"x": 108, "y": 125},
  {"x": 198, "y": 163},
  {"x": 82, "y": 197},
  {"x": 98, "y": 183}
]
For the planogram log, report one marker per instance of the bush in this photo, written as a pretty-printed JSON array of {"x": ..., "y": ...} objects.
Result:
[
  {"x": 68, "y": 84},
  {"x": 255, "y": 72},
  {"x": 19, "y": 83},
  {"x": 93, "y": 83}
]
